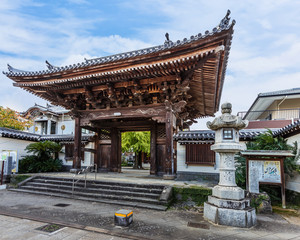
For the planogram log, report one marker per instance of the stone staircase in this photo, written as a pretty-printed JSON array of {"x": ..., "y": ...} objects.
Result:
[{"x": 128, "y": 194}]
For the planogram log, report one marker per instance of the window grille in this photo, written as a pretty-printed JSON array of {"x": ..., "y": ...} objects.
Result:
[{"x": 200, "y": 154}]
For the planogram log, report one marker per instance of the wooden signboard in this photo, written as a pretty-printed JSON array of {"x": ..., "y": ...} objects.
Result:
[{"x": 265, "y": 167}]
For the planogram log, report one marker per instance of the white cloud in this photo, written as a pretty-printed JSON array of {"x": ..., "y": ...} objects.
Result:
[
  {"x": 78, "y": 1},
  {"x": 264, "y": 55}
]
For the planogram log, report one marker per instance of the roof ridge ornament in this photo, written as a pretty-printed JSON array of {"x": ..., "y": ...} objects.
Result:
[
  {"x": 167, "y": 38},
  {"x": 225, "y": 21},
  {"x": 11, "y": 69},
  {"x": 50, "y": 66}
]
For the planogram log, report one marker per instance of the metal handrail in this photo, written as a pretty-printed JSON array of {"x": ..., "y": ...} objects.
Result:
[{"x": 85, "y": 171}]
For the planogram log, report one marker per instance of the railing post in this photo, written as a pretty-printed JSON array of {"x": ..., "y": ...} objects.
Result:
[
  {"x": 85, "y": 173},
  {"x": 73, "y": 184}
]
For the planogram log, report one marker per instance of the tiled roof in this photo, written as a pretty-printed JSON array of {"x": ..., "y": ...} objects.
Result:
[
  {"x": 49, "y": 108},
  {"x": 65, "y": 138},
  {"x": 208, "y": 135},
  {"x": 12, "y": 133},
  {"x": 17, "y": 134},
  {"x": 224, "y": 25},
  {"x": 281, "y": 92},
  {"x": 288, "y": 130}
]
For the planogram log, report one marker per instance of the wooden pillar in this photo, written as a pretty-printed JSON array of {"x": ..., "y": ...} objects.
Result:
[
  {"x": 96, "y": 148},
  {"x": 282, "y": 183},
  {"x": 77, "y": 145},
  {"x": 115, "y": 166},
  {"x": 169, "y": 167},
  {"x": 153, "y": 161}
]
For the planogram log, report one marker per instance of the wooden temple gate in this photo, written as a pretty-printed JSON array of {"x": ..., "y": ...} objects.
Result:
[{"x": 159, "y": 89}]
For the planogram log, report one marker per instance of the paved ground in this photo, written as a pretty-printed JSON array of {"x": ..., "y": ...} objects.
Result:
[
  {"x": 87, "y": 220},
  {"x": 13, "y": 228}
]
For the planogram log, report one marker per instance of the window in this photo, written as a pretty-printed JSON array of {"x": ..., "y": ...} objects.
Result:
[
  {"x": 200, "y": 154},
  {"x": 69, "y": 152},
  {"x": 53, "y": 128},
  {"x": 227, "y": 134}
]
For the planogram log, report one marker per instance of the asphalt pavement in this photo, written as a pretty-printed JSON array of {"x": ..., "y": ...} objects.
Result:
[{"x": 21, "y": 214}]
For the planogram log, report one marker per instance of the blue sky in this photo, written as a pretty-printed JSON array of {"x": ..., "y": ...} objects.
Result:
[{"x": 265, "y": 54}]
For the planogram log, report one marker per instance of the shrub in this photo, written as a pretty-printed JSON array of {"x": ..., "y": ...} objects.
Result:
[
  {"x": 32, "y": 164},
  {"x": 42, "y": 159},
  {"x": 199, "y": 195}
]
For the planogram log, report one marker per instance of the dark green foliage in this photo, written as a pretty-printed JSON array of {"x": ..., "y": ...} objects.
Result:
[
  {"x": 199, "y": 195},
  {"x": 43, "y": 159},
  {"x": 43, "y": 150},
  {"x": 293, "y": 198},
  {"x": 273, "y": 191},
  {"x": 240, "y": 173},
  {"x": 32, "y": 164},
  {"x": 257, "y": 201}
]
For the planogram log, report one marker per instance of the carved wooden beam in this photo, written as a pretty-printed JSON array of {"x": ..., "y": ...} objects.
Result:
[{"x": 119, "y": 113}]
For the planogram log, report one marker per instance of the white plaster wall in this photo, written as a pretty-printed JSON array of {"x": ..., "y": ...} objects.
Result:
[
  {"x": 294, "y": 183},
  {"x": 88, "y": 156},
  {"x": 69, "y": 125},
  {"x": 292, "y": 139},
  {"x": 182, "y": 167},
  {"x": 14, "y": 145}
]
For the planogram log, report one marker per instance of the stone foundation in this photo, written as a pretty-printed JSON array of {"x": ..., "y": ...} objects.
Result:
[
  {"x": 198, "y": 176},
  {"x": 230, "y": 217}
]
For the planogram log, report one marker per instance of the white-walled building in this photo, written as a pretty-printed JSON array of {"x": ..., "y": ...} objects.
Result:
[{"x": 51, "y": 123}]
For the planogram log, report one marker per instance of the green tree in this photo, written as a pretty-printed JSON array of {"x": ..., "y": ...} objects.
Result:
[
  {"x": 12, "y": 119},
  {"x": 44, "y": 150},
  {"x": 137, "y": 142},
  {"x": 44, "y": 158}
]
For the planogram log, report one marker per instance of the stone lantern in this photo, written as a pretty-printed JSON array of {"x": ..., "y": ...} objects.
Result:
[{"x": 227, "y": 205}]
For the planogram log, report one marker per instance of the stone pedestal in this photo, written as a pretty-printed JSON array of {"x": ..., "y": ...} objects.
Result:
[{"x": 227, "y": 205}]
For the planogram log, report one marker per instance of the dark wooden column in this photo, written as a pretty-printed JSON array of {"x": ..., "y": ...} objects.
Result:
[
  {"x": 153, "y": 161},
  {"x": 77, "y": 145},
  {"x": 96, "y": 147},
  {"x": 169, "y": 142},
  {"x": 115, "y": 145}
]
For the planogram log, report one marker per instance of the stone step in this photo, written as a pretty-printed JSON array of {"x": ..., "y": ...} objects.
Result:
[
  {"x": 94, "y": 195},
  {"x": 127, "y": 194},
  {"x": 96, "y": 189},
  {"x": 98, "y": 185},
  {"x": 107, "y": 201},
  {"x": 110, "y": 183}
]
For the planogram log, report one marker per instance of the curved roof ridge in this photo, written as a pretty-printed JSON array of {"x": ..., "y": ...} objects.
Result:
[
  {"x": 13, "y": 133},
  {"x": 223, "y": 25}
]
